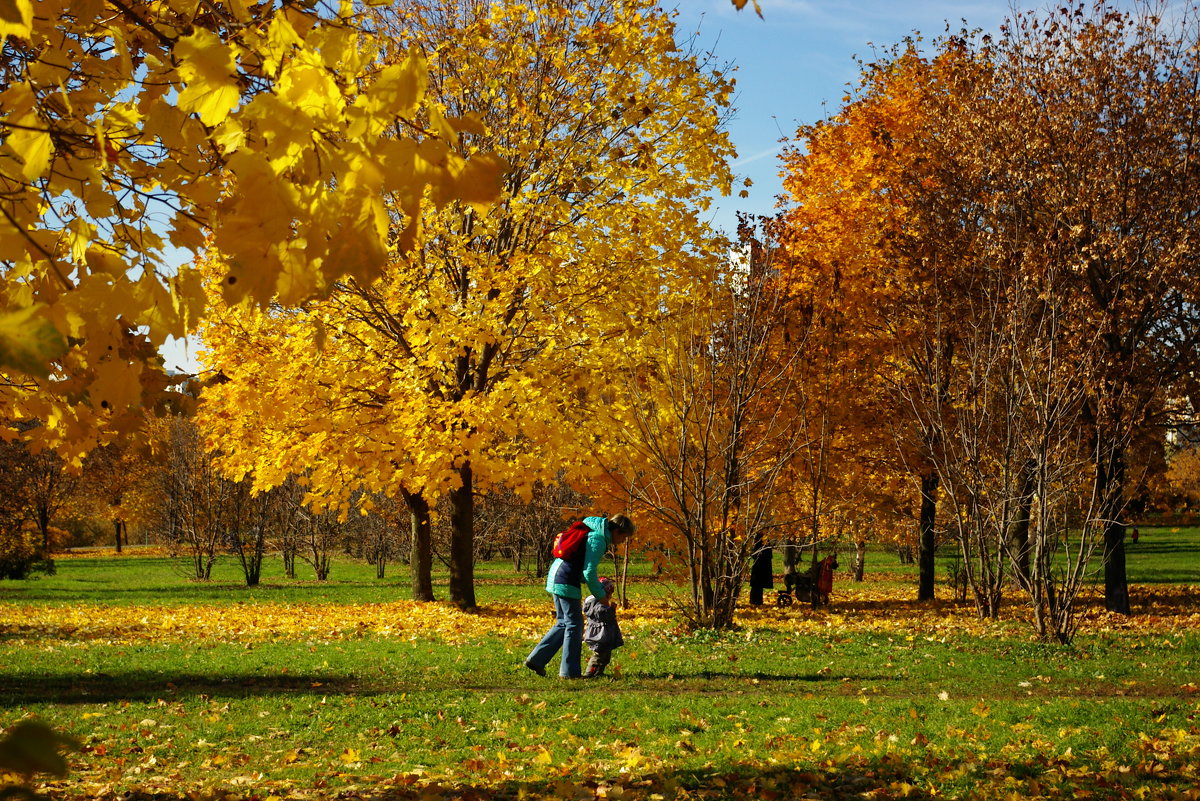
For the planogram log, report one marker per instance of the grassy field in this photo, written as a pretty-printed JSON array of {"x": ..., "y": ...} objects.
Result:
[{"x": 344, "y": 689}]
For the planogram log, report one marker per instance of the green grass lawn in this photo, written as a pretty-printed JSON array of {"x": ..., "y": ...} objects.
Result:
[
  {"x": 867, "y": 699},
  {"x": 1162, "y": 556}
]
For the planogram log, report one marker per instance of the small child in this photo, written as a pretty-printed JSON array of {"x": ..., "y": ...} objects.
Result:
[{"x": 602, "y": 634}]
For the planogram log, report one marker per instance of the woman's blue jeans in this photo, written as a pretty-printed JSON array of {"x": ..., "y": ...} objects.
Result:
[{"x": 567, "y": 634}]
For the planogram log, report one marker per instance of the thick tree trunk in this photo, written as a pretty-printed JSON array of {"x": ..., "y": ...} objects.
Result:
[
  {"x": 462, "y": 542},
  {"x": 422, "y": 547},
  {"x": 118, "y": 528},
  {"x": 1116, "y": 583},
  {"x": 253, "y": 569},
  {"x": 925, "y": 566}
]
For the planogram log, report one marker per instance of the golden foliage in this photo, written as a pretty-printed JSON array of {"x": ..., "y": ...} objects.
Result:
[
  {"x": 490, "y": 348},
  {"x": 871, "y": 607},
  {"x": 131, "y": 133}
]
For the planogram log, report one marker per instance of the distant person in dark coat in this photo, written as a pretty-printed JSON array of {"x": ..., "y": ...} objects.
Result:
[{"x": 762, "y": 575}]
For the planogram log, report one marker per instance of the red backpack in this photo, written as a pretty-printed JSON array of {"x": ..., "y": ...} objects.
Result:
[{"x": 571, "y": 542}]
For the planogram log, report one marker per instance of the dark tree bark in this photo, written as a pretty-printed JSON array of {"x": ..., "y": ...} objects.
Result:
[
  {"x": 422, "y": 546},
  {"x": 1110, "y": 480},
  {"x": 925, "y": 566},
  {"x": 1018, "y": 539},
  {"x": 462, "y": 542}
]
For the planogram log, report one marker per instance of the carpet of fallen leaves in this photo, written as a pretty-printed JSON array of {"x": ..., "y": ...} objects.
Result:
[
  {"x": 870, "y": 609},
  {"x": 849, "y": 762}
]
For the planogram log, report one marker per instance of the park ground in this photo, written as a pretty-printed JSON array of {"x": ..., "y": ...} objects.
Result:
[{"x": 175, "y": 689}]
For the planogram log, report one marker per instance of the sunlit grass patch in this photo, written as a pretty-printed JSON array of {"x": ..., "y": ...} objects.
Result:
[{"x": 207, "y": 692}]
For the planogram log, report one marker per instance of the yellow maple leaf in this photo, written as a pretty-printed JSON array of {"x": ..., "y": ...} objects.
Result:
[
  {"x": 116, "y": 386},
  {"x": 16, "y": 18},
  {"x": 399, "y": 87},
  {"x": 208, "y": 68},
  {"x": 29, "y": 341},
  {"x": 32, "y": 144},
  {"x": 479, "y": 183}
]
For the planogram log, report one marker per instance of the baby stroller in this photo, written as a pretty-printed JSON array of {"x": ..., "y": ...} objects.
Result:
[{"x": 812, "y": 585}]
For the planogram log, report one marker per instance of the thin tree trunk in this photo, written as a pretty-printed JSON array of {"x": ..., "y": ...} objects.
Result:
[
  {"x": 707, "y": 596},
  {"x": 925, "y": 567},
  {"x": 860, "y": 559},
  {"x": 1018, "y": 541},
  {"x": 814, "y": 571},
  {"x": 254, "y": 572}
]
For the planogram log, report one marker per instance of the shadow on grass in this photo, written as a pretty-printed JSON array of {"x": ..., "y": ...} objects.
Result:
[
  {"x": 882, "y": 780},
  {"x": 22, "y": 689},
  {"x": 718, "y": 675},
  {"x": 99, "y": 688}
]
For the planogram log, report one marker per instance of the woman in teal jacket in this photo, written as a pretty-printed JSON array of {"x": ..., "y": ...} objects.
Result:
[{"x": 563, "y": 582}]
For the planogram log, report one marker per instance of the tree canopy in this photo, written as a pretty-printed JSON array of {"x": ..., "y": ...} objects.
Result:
[{"x": 134, "y": 135}]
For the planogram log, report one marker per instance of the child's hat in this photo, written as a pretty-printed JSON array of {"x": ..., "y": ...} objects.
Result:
[{"x": 608, "y": 585}]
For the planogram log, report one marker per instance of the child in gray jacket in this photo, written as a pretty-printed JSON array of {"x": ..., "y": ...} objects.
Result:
[{"x": 602, "y": 634}]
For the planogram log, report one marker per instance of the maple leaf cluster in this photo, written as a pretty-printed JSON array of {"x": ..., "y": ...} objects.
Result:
[{"x": 134, "y": 135}]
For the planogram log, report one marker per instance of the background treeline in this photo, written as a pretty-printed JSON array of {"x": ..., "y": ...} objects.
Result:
[{"x": 165, "y": 491}]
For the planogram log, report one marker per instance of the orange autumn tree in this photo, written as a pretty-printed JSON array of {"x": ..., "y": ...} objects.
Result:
[
  {"x": 118, "y": 486},
  {"x": 486, "y": 356},
  {"x": 131, "y": 131},
  {"x": 1033, "y": 256},
  {"x": 1088, "y": 137},
  {"x": 1183, "y": 471},
  {"x": 873, "y": 249}
]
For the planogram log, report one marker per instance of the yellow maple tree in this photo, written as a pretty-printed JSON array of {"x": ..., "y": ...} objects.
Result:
[{"x": 486, "y": 355}]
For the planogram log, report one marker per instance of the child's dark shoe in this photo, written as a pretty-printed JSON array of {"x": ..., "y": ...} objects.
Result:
[{"x": 541, "y": 671}]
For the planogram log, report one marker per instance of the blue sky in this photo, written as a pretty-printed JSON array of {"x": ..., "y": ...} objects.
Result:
[{"x": 795, "y": 64}]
